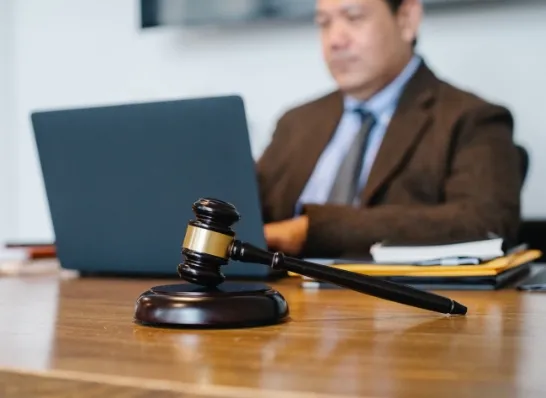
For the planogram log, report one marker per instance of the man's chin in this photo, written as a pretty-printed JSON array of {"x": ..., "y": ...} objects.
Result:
[{"x": 348, "y": 85}]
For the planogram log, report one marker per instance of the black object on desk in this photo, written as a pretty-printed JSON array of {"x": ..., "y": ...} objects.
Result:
[
  {"x": 210, "y": 243},
  {"x": 535, "y": 283},
  {"x": 505, "y": 279}
]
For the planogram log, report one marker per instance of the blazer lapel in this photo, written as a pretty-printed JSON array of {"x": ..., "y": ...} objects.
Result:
[
  {"x": 322, "y": 126},
  {"x": 406, "y": 127}
]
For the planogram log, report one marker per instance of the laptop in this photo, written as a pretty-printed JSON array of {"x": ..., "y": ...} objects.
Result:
[{"x": 120, "y": 181}]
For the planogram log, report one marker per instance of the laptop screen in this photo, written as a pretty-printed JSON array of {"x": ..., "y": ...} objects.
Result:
[{"x": 121, "y": 180}]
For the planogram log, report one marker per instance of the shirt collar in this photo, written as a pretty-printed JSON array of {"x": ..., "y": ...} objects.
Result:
[{"x": 386, "y": 99}]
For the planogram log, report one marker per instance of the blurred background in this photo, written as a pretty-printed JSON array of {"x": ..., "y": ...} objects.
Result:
[{"x": 68, "y": 53}]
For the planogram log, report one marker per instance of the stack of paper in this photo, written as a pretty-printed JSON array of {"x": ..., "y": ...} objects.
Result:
[
  {"x": 483, "y": 250},
  {"x": 492, "y": 267},
  {"x": 489, "y": 274},
  {"x": 23, "y": 259}
]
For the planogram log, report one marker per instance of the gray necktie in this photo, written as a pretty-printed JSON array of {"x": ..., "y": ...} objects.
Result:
[{"x": 345, "y": 188}]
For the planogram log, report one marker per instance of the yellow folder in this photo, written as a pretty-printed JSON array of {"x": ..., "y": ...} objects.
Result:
[{"x": 492, "y": 267}]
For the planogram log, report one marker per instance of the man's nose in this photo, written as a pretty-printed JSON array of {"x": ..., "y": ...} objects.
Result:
[{"x": 338, "y": 36}]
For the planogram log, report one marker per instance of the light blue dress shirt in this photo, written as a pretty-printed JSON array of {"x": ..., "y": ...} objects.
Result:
[{"x": 382, "y": 105}]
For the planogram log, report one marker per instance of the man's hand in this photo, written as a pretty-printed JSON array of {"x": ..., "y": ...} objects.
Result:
[{"x": 287, "y": 236}]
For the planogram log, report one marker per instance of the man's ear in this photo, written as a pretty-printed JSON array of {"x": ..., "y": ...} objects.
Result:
[{"x": 409, "y": 18}]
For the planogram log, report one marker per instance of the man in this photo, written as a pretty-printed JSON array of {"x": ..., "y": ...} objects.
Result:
[{"x": 394, "y": 154}]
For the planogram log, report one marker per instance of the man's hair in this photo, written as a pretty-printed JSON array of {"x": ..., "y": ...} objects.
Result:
[{"x": 395, "y": 5}]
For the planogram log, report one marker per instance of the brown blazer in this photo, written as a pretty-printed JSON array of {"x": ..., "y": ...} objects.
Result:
[{"x": 447, "y": 170}]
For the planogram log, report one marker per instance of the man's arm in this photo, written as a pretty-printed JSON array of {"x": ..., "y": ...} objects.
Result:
[
  {"x": 482, "y": 194},
  {"x": 271, "y": 164}
]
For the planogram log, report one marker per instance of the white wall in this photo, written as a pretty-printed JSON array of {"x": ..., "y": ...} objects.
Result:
[
  {"x": 80, "y": 52},
  {"x": 7, "y": 161}
]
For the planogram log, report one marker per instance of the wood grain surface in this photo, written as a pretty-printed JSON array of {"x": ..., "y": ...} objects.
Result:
[{"x": 76, "y": 337}]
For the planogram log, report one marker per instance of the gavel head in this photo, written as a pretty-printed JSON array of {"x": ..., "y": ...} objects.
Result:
[{"x": 207, "y": 244}]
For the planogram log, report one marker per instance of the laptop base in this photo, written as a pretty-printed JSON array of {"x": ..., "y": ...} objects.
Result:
[{"x": 229, "y": 305}]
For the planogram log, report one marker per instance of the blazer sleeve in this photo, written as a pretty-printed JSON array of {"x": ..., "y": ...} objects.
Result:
[
  {"x": 482, "y": 195},
  {"x": 270, "y": 165}
]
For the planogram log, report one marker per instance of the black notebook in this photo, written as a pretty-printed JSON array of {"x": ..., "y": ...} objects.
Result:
[{"x": 483, "y": 282}]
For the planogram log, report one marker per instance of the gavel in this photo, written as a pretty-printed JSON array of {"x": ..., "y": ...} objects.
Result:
[{"x": 210, "y": 243}]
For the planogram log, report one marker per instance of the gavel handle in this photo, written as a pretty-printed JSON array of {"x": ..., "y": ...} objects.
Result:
[{"x": 387, "y": 290}]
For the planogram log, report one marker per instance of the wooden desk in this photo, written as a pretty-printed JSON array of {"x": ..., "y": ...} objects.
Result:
[{"x": 64, "y": 338}]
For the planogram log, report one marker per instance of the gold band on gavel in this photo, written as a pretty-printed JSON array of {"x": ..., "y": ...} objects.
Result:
[{"x": 202, "y": 240}]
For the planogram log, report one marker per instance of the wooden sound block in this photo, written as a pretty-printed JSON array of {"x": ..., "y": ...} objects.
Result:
[{"x": 229, "y": 305}]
